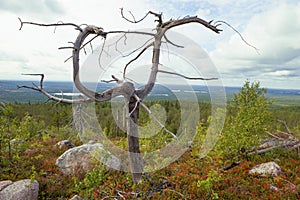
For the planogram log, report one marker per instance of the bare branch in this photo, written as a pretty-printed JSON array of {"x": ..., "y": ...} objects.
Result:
[
  {"x": 82, "y": 47},
  {"x": 100, "y": 54},
  {"x": 150, "y": 113},
  {"x": 42, "y": 78},
  {"x": 131, "y": 32},
  {"x": 173, "y": 23},
  {"x": 159, "y": 16},
  {"x": 232, "y": 165},
  {"x": 60, "y": 48},
  {"x": 168, "y": 41},
  {"x": 49, "y": 96},
  {"x": 56, "y": 24},
  {"x": 104, "y": 81},
  {"x": 186, "y": 77},
  {"x": 125, "y": 88},
  {"x": 137, "y": 49},
  {"x": 285, "y": 125},
  {"x": 161, "y": 30},
  {"x": 92, "y": 47},
  {"x": 135, "y": 107},
  {"x": 135, "y": 58},
  {"x": 68, "y": 59},
  {"x": 288, "y": 144},
  {"x": 117, "y": 42},
  {"x": 223, "y": 22},
  {"x": 274, "y": 136},
  {"x": 90, "y": 41}
]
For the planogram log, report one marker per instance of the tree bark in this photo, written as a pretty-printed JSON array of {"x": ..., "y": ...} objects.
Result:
[{"x": 136, "y": 162}]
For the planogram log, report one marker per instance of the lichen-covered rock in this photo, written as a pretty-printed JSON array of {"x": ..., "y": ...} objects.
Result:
[
  {"x": 18, "y": 145},
  {"x": 65, "y": 144},
  {"x": 20, "y": 190},
  {"x": 76, "y": 197},
  {"x": 80, "y": 159},
  {"x": 4, "y": 184},
  {"x": 266, "y": 169}
]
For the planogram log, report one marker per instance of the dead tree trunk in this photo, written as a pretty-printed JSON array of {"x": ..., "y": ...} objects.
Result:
[{"x": 136, "y": 162}]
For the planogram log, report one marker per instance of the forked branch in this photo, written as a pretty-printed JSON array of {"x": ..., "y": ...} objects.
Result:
[
  {"x": 139, "y": 101},
  {"x": 158, "y": 15},
  {"x": 51, "y": 97}
]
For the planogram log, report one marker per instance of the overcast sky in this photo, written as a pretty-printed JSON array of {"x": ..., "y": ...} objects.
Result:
[{"x": 273, "y": 26}]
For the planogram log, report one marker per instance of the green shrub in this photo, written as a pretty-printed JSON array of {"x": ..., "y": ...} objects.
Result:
[
  {"x": 247, "y": 121},
  {"x": 207, "y": 184}
]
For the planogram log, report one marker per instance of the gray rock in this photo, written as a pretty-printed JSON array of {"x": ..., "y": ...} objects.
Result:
[
  {"x": 65, "y": 144},
  {"x": 4, "y": 184},
  {"x": 17, "y": 145},
  {"x": 266, "y": 169},
  {"x": 80, "y": 159},
  {"x": 274, "y": 188},
  {"x": 20, "y": 190},
  {"x": 76, "y": 197}
]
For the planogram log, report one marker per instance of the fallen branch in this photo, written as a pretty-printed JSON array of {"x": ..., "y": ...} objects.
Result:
[
  {"x": 286, "y": 144},
  {"x": 234, "y": 164}
]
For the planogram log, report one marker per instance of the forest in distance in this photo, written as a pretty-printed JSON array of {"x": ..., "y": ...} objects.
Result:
[{"x": 9, "y": 92}]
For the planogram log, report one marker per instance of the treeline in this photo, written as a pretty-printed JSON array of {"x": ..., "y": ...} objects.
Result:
[{"x": 56, "y": 116}]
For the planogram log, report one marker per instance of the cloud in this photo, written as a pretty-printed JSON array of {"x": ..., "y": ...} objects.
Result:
[
  {"x": 281, "y": 73},
  {"x": 31, "y": 7},
  {"x": 273, "y": 26},
  {"x": 12, "y": 57},
  {"x": 275, "y": 33}
]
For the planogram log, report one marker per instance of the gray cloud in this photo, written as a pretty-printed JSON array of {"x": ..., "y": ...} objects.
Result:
[{"x": 280, "y": 56}]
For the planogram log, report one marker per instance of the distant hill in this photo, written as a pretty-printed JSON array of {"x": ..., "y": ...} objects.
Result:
[{"x": 9, "y": 92}]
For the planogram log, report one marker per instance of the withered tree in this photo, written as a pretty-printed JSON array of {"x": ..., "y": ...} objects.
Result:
[{"x": 133, "y": 96}]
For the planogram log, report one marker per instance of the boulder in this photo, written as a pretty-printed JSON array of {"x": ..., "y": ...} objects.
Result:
[
  {"x": 65, "y": 144},
  {"x": 20, "y": 190},
  {"x": 266, "y": 169},
  {"x": 80, "y": 159},
  {"x": 76, "y": 197},
  {"x": 4, "y": 184}
]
